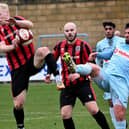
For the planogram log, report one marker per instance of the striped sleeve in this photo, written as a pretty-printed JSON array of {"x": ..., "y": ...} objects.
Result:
[
  {"x": 56, "y": 51},
  {"x": 19, "y": 18},
  {"x": 87, "y": 50}
]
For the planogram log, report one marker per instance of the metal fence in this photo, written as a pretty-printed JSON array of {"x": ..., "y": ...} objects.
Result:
[{"x": 46, "y": 1}]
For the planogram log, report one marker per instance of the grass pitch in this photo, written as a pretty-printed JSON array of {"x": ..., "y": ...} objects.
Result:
[{"x": 42, "y": 109}]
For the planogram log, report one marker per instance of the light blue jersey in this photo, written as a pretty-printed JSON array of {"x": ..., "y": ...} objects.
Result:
[
  {"x": 116, "y": 74},
  {"x": 104, "y": 45}
]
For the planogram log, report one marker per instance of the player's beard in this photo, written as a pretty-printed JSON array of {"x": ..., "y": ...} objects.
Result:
[{"x": 71, "y": 40}]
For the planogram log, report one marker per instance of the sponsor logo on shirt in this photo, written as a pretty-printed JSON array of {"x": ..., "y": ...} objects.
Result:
[{"x": 120, "y": 52}]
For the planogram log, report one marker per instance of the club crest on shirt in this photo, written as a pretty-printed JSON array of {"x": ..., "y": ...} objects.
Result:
[{"x": 77, "y": 48}]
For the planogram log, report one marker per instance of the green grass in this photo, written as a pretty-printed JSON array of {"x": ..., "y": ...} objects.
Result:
[{"x": 42, "y": 109}]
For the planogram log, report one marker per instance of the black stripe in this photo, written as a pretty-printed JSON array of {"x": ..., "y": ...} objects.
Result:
[
  {"x": 81, "y": 55},
  {"x": 87, "y": 49},
  {"x": 11, "y": 62},
  {"x": 74, "y": 53},
  {"x": 17, "y": 27},
  {"x": 66, "y": 50},
  {"x": 59, "y": 47},
  {"x": 23, "y": 52},
  {"x": 13, "y": 31},
  {"x": 18, "y": 18},
  {"x": 1, "y": 32},
  {"x": 81, "y": 52},
  {"x": 30, "y": 50},
  {"x": 74, "y": 59},
  {"x": 14, "y": 51}
]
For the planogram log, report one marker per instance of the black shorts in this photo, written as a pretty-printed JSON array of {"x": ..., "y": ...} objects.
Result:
[
  {"x": 20, "y": 77},
  {"x": 83, "y": 91}
]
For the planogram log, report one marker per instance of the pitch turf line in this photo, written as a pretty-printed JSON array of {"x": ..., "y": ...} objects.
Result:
[{"x": 57, "y": 115}]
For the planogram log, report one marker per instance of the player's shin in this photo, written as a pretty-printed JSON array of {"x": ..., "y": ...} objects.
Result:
[
  {"x": 84, "y": 69},
  {"x": 19, "y": 116},
  {"x": 52, "y": 68},
  {"x": 101, "y": 120}
]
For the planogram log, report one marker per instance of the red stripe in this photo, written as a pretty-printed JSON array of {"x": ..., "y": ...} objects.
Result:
[{"x": 93, "y": 91}]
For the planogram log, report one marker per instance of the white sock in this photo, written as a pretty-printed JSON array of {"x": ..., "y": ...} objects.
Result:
[
  {"x": 121, "y": 124},
  {"x": 84, "y": 69},
  {"x": 111, "y": 110}
]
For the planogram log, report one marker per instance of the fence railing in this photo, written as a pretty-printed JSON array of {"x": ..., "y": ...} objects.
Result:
[
  {"x": 42, "y": 37},
  {"x": 46, "y": 1}
]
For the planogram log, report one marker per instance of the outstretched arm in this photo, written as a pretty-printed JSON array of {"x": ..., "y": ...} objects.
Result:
[
  {"x": 22, "y": 23},
  {"x": 106, "y": 54}
]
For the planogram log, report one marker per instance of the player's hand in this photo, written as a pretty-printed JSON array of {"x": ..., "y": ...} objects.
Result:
[
  {"x": 12, "y": 21},
  {"x": 4, "y": 22},
  {"x": 47, "y": 78},
  {"x": 92, "y": 56},
  {"x": 60, "y": 86},
  {"x": 15, "y": 43},
  {"x": 73, "y": 76}
]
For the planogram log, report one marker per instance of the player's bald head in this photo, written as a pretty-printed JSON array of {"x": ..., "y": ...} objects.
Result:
[
  {"x": 70, "y": 25},
  {"x": 70, "y": 31},
  {"x": 4, "y": 11}
]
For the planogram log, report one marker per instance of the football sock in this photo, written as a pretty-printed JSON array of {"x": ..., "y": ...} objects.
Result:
[
  {"x": 101, "y": 120},
  {"x": 121, "y": 124},
  {"x": 51, "y": 63},
  {"x": 84, "y": 69},
  {"x": 111, "y": 110},
  {"x": 19, "y": 116},
  {"x": 68, "y": 123}
]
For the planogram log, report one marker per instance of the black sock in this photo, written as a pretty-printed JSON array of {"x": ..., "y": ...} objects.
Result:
[
  {"x": 101, "y": 120},
  {"x": 51, "y": 63},
  {"x": 19, "y": 116},
  {"x": 68, "y": 123}
]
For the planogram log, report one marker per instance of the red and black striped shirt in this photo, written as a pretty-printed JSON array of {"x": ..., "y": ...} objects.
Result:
[
  {"x": 79, "y": 51},
  {"x": 21, "y": 54}
]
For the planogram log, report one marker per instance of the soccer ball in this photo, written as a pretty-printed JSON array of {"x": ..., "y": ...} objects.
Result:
[{"x": 24, "y": 36}]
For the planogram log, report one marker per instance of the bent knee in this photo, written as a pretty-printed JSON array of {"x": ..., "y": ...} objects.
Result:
[
  {"x": 66, "y": 114},
  {"x": 120, "y": 116},
  {"x": 120, "y": 113},
  {"x": 18, "y": 105},
  {"x": 42, "y": 51},
  {"x": 93, "y": 111}
]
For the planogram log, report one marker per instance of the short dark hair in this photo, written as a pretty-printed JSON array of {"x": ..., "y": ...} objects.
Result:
[
  {"x": 109, "y": 24},
  {"x": 127, "y": 26}
]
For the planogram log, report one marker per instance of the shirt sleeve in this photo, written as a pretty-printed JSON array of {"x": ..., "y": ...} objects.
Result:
[
  {"x": 105, "y": 54},
  {"x": 56, "y": 51},
  {"x": 87, "y": 50},
  {"x": 19, "y": 18},
  {"x": 98, "y": 61}
]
